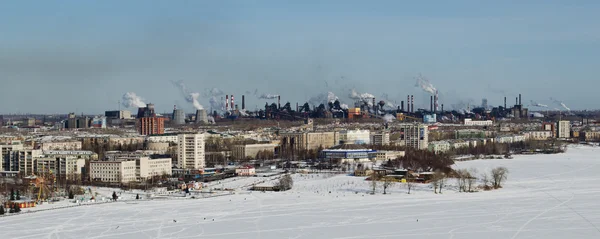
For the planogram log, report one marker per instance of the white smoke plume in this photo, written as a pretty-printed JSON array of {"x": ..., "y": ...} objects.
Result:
[
  {"x": 344, "y": 106},
  {"x": 216, "y": 104},
  {"x": 533, "y": 103},
  {"x": 212, "y": 92},
  {"x": 388, "y": 118},
  {"x": 364, "y": 97},
  {"x": 268, "y": 96},
  {"x": 331, "y": 97},
  {"x": 537, "y": 115},
  {"x": 558, "y": 102},
  {"x": 425, "y": 85},
  {"x": 131, "y": 100},
  {"x": 323, "y": 98},
  {"x": 210, "y": 119},
  {"x": 190, "y": 97}
]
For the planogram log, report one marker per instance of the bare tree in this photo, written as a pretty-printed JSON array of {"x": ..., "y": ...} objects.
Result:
[
  {"x": 461, "y": 175},
  {"x": 499, "y": 174},
  {"x": 387, "y": 182},
  {"x": 374, "y": 178},
  {"x": 471, "y": 179},
  {"x": 485, "y": 180},
  {"x": 409, "y": 182}
]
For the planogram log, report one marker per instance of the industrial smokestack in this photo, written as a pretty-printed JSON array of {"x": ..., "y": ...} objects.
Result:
[
  {"x": 505, "y": 102},
  {"x": 442, "y": 107},
  {"x": 232, "y": 103},
  {"x": 435, "y": 102},
  {"x": 408, "y": 103},
  {"x": 278, "y": 102},
  {"x": 374, "y": 106},
  {"x": 516, "y": 100},
  {"x": 519, "y": 99},
  {"x": 243, "y": 102},
  {"x": 431, "y": 103},
  {"x": 412, "y": 103},
  {"x": 401, "y": 105},
  {"x": 297, "y": 109},
  {"x": 226, "y": 102}
]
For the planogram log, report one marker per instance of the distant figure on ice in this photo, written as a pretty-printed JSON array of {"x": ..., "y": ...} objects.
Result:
[{"x": 114, "y": 196}]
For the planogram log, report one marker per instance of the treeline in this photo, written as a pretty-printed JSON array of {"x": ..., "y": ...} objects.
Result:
[
  {"x": 545, "y": 146},
  {"x": 423, "y": 161}
]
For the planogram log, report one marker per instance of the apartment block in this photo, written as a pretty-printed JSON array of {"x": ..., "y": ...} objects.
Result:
[
  {"x": 113, "y": 171},
  {"x": 250, "y": 150},
  {"x": 190, "y": 151},
  {"x": 414, "y": 135}
]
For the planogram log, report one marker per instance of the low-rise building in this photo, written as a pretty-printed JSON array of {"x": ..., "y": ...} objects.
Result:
[
  {"x": 471, "y": 122},
  {"x": 149, "y": 167},
  {"x": 61, "y": 145},
  {"x": 458, "y": 144},
  {"x": 113, "y": 171},
  {"x": 251, "y": 150},
  {"x": 245, "y": 171},
  {"x": 538, "y": 135},
  {"x": 439, "y": 146},
  {"x": 386, "y": 155}
]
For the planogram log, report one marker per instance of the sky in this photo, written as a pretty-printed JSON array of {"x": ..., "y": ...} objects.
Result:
[{"x": 83, "y": 56}]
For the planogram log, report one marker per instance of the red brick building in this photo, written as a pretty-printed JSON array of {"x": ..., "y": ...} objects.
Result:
[{"x": 151, "y": 125}]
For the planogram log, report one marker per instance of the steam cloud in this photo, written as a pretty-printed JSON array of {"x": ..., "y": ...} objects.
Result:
[
  {"x": 388, "y": 118},
  {"x": 533, "y": 103},
  {"x": 131, "y": 100},
  {"x": 425, "y": 85},
  {"x": 190, "y": 97},
  {"x": 558, "y": 102},
  {"x": 364, "y": 97},
  {"x": 268, "y": 96}
]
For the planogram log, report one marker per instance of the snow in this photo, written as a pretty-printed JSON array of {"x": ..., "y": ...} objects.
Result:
[{"x": 546, "y": 196}]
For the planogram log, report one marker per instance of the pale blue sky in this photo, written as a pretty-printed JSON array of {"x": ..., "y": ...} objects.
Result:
[{"x": 61, "y": 56}]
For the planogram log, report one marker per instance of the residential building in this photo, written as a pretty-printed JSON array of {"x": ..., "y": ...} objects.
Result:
[
  {"x": 190, "y": 151},
  {"x": 69, "y": 168},
  {"x": 354, "y": 137},
  {"x": 245, "y": 171},
  {"x": 250, "y": 150},
  {"x": 80, "y": 154},
  {"x": 386, "y": 155},
  {"x": 439, "y": 146},
  {"x": 151, "y": 125},
  {"x": 563, "y": 129},
  {"x": 469, "y": 134},
  {"x": 26, "y": 158},
  {"x": 113, "y": 171},
  {"x": 382, "y": 138},
  {"x": 9, "y": 161},
  {"x": 165, "y": 138},
  {"x": 471, "y": 122},
  {"x": 307, "y": 140},
  {"x": 538, "y": 135},
  {"x": 149, "y": 167},
  {"x": 457, "y": 144},
  {"x": 61, "y": 145},
  {"x": 413, "y": 135}
]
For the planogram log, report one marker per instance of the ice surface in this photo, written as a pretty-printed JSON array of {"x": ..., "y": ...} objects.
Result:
[{"x": 546, "y": 196}]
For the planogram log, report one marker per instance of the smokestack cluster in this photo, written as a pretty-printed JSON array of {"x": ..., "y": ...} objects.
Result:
[{"x": 243, "y": 102}]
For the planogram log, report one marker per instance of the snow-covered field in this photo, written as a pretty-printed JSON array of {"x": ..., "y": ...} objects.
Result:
[{"x": 546, "y": 196}]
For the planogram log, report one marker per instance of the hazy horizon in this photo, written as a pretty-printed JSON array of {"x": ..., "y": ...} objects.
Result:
[{"x": 67, "y": 56}]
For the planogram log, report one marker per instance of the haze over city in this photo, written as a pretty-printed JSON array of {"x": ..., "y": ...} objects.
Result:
[{"x": 83, "y": 56}]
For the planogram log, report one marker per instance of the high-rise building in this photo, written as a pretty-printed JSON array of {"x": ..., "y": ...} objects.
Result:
[
  {"x": 382, "y": 138},
  {"x": 27, "y": 158},
  {"x": 414, "y": 135},
  {"x": 151, "y": 125},
  {"x": 190, "y": 151},
  {"x": 563, "y": 130},
  {"x": 9, "y": 161}
]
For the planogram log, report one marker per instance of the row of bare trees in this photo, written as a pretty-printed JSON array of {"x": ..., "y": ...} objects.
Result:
[{"x": 422, "y": 160}]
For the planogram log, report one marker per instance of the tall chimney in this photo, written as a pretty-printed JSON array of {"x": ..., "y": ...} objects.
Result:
[
  {"x": 431, "y": 103},
  {"x": 519, "y": 99},
  {"x": 374, "y": 106},
  {"x": 278, "y": 102},
  {"x": 243, "y": 102},
  {"x": 226, "y": 102},
  {"x": 401, "y": 105},
  {"x": 442, "y": 107},
  {"x": 435, "y": 102},
  {"x": 505, "y": 102},
  {"x": 516, "y": 100},
  {"x": 297, "y": 107},
  {"x": 232, "y": 104},
  {"x": 412, "y": 103},
  {"x": 408, "y": 103}
]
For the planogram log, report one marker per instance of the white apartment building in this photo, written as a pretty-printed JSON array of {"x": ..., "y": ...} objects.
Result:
[
  {"x": 167, "y": 138},
  {"x": 61, "y": 145},
  {"x": 386, "y": 155},
  {"x": 113, "y": 171},
  {"x": 413, "y": 135},
  {"x": 563, "y": 129},
  {"x": 154, "y": 167},
  {"x": 471, "y": 122},
  {"x": 354, "y": 137},
  {"x": 382, "y": 138},
  {"x": 190, "y": 151},
  {"x": 538, "y": 135},
  {"x": 439, "y": 146},
  {"x": 68, "y": 167}
]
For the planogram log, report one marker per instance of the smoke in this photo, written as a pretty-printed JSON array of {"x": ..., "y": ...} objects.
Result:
[
  {"x": 331, "y": 97},
  {"x": 190, "y": 97},
  {"x": 210, "y": 119},
  {"x": 364, "y": 97},
  {"x": 268, "y": 96},
  {"x": 215, "y": 103},
  {"x": 388, "y": 118},
  {"x": 387, "y": 101},
  {"x": 323, "y": 98},
  {"x": 131, "y": 100},
  {"x": 425, "y": 85},
  {"x": 212, "y": 92},
  {"x": 344, "y": 106},
  {"x": 558, "y": 102},
  {"x": 533, "y": 103},
  {"x": 537, "y": 115},
  {"x": 243, "y": 113}
]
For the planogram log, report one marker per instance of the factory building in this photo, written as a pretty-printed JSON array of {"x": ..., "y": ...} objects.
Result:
[
  {"x": 118, "y": 114},
  {"x": 190, "y": 151}
]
